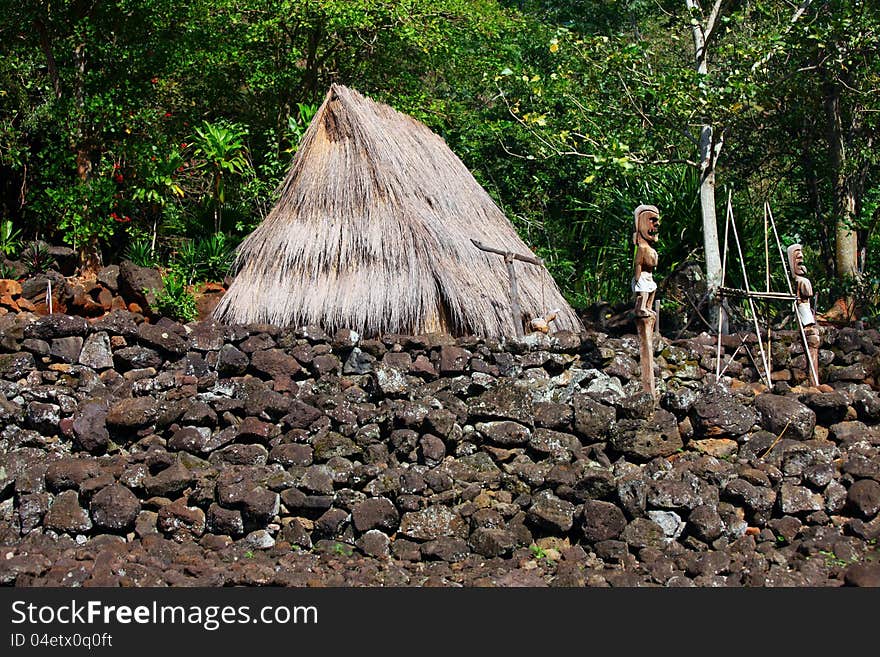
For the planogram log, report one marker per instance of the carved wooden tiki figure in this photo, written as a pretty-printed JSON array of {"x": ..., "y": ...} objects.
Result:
[
  {"x": 804, "y": 291},
  {"x": 647, "y": 225}
]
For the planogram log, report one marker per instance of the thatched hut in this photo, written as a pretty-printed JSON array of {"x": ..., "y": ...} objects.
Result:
[{"x": 372, "y": 231}]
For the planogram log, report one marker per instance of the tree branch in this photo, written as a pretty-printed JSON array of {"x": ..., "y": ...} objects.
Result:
[
  {"x": 46, "y": 47},
  {"x": 710, "y": 22}
]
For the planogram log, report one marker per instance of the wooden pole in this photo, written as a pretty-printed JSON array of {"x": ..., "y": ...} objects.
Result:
[
  {"x": 509, "y": 259},
  {"x": 720, "y": 312},
  {"x": 645, "y": 327},
  {"x": 811, "y": 366},
  {"x": 767, "y": 287},
  {"x": 748, "y": 289},
  {"x": 514, "y": 296}
]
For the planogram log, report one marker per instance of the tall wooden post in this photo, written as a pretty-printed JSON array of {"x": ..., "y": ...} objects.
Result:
[
  {"x": 645, "y": 327},
  {"x": 514, "y": 296}
]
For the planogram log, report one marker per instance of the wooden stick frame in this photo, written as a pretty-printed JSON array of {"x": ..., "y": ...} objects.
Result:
[
  {"x": 509, "y": 258},
  {"x": 767, "y": 295}
]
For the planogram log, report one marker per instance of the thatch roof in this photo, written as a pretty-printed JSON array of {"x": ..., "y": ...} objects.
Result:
[{"x": 372, "y": 232}]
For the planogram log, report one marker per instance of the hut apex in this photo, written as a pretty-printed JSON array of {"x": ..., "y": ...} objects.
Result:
[{"x": 373, "y": 231}]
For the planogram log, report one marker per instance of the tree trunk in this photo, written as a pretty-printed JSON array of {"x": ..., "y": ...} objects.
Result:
[
  {"x": 90, "y": 251},
  {"x": 846, "y": 247},
  {"x": 708, "y": 155},
  {"x": 710, "y": 147}
]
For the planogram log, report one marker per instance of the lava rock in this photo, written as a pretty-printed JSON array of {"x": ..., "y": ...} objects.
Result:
[
  {"x": 181, "y": 521},
  {"x": 358, "y": 362},
  {"x": 432, "y": 523},
  {"x": 453, "y": 360},
  {"x": 132, "y": 413},
  {"x": 492, "y": 542},
  {"x": 669, "y": 521},
  {"x": 114, "y": 508},
  {"x": 375, "y": 513},
  {"x": 756, "y": 498},
  {"x": 275, "y": 363},
  {"x": 66, "y": 515},
  {"x": 592, "y": 420},
  {"x": 864, "y": 497},
  {"x": 136, "y": 357},
  {"x": 55, "y": 326},
  {"x": 550, "y": 512},
  {"x": 718, "y": 414},
  {"x": 96, "y": 352},
  {"x": 505, "y": 402},
  {"x": 140, "y": 284},
  {"x": 863, "y": 574},
  {"x": 90, "y": 427},
  {"x": 170, "y": 481},
  {"x": 799, "y": 499},
  {"x": 642, "y": 533},
  {"x": 646, "y": 440},
  {"x": 705, "y": 523},
  {"x": 67, "y": 350},
  {"x": 163, "y": 339},
  {"x": 602, "y": 521},
  {"x": 16, "y": 366},
  {"x": 829, "y": 407},
  {"x": 504, "y": 432},
  {"x": 780, "y": 414},
  {"x": 69, "y": 473},
  {"x": 374, "y": 544},
  {"x": 445, "y": 548},
  {"x": 45, "y": 418}
]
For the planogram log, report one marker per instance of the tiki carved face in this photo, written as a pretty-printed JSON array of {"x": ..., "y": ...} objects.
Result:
[
  {"x": 796, "y": 260},
  {"x": 647, "y": 223}
]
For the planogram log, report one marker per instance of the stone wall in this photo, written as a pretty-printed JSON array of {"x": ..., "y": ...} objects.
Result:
[{"x": 143, "y": 454}]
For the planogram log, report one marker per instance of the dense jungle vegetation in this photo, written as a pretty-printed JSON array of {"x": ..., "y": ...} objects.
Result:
[{"x": 158, "y": 130}]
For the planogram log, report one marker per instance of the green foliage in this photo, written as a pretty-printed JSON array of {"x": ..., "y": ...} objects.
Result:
[
  {"x": 216, "y": 254},
  {"x": 140, "y": 252},
  {"x": 6, "y": 270},
  {"x": 10, "y": 239},
  {"x": 175, "y": 300},
  {"x": 174, "y": 122},
  {"x": 221, "y": 151},
  {"x": 537, "y": 551},
  {"x": 36, "y": 258},
  {"x": 207, "y": 259},
  {"x": 85, "y": 210}
]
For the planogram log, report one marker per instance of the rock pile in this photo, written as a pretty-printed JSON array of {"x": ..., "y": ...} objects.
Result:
[
  {"x": 117, "y": 287},
  {"x": 149, "y": 454}
]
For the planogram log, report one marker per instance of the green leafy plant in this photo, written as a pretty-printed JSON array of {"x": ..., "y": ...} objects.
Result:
[
  {"x": 140, "y": 252},
  {"x": 222, "y": 152},
  {"x": 296, "y": 125},
  {"x": 87, "y": 215},
  {"x": 187, "y": 262},
  {"x": 6, "y": 270},
  {"x": 37, "y": 259},
  {"x": 215, "y": 256},
  {"x": 833, "y": 561},
  {"x": 175, "y": 300},
  {"x": 537, "y": 551},
  {"x": 10, "y": 239},
  {"x": 342, "y": 549}
]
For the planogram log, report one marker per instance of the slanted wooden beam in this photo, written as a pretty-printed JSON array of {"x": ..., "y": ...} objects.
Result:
[{"x": 515, "y": 256}]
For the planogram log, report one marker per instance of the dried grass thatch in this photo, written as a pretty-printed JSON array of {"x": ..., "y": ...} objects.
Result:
[{"x": 372, "y": 232}]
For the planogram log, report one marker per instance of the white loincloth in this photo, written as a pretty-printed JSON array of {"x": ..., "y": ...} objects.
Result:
[
  {"x": 805, "y": 313},
  {"x": 645, "y": 283}
]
